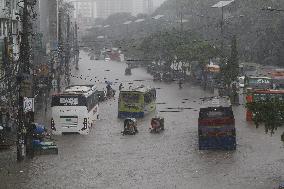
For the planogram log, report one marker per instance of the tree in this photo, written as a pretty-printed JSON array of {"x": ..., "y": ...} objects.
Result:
[
  {"x": 269, "y": 112},
  {"x": 230, "y": 69}
]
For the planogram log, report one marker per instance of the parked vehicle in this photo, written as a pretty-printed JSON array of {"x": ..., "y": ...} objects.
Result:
[
  {"x": 136, "y": 102},
  {"x": 42, "y": 143},
  {"x": 277, "y": 77},
  {"x": 256, "y": 82},
  {"x": 216, "y": 124}
]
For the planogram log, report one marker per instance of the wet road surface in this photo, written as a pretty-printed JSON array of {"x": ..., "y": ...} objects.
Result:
[{"x": 171, "y": 159}]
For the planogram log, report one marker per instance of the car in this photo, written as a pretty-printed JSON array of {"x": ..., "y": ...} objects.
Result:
[{"x": 107, "y": 59}]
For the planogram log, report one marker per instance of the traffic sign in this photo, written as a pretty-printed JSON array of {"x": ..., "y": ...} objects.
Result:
[{"x": 28, "y": 104}]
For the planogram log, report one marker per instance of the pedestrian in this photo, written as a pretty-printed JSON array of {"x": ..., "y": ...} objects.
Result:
[
  {"x": 180, "y": 84},
  {"x": 235, "y": 95},
  {"x": 120, "y": 86}
]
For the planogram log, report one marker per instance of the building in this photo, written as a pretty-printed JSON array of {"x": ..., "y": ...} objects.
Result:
[
  {"x": 108, "y": 7},
  {"x": 142, "y": 6},
  {"x": 9, "y": 30},
  {"x": 9, "y": 25},
  {"x": 85, "y": 9}
]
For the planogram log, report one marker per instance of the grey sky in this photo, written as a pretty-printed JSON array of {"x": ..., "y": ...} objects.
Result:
[{"x": 158, "y": 2}]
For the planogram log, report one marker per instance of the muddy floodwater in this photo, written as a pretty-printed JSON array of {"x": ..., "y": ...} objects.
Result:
[{"x": 171, "y": 159}]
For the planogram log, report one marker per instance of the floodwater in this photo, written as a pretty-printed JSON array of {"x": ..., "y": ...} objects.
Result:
[{"x": 171, "y": 159}]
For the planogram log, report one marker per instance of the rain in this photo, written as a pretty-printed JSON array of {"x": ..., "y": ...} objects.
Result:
[{"x": 141, "y": 94}]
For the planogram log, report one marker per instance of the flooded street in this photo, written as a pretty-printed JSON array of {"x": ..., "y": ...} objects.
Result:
[{"x": 170, "y": 159}]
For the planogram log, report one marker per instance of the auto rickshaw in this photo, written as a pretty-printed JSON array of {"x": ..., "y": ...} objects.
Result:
[
  {"x": 130, "y": 126},
  {"x": 127, "y": 71},
  {"x": 157, "y": 124}
]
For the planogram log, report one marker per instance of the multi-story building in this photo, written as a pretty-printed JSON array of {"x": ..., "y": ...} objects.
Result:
[
  {"x": 85, "y": 8},
  {"x": 9, "y": 29},
  {"x": 108, "y": 7},
  {"x": 142, "y": 6}
]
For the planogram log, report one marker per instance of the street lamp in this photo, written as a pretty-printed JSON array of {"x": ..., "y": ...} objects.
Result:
[{"x": 222, "y": 4}]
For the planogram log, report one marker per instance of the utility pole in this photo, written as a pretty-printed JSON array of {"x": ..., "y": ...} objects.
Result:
[
  {"x": 60, "y": 48},
  {"x": 67, "y": 52},
  {"x": 26, "y": 96},
  {"x": 76, "y": 46},
  {"x": 222, "y": 4},
  {"x": 222, "y": 34}
]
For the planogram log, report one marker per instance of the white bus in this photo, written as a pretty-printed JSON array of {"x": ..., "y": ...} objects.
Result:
[{"x": 75, "y": 110}]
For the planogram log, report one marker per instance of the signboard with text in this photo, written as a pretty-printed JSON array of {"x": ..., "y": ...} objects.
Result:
[{"x": 28, "y": 104}]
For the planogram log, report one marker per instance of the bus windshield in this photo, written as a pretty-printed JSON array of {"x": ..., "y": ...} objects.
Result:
[
  {"x": 215, "y": 113},
  {"x": 130, "y": 97}
]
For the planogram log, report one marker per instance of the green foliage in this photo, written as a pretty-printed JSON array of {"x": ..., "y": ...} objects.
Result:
[
  {"x": 170, "y": 46},
  {"x": 269, "y": 112},
  {"x": 230, "y": 70}
]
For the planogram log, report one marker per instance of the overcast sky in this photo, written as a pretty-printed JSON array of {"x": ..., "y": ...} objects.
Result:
[{"x": 158, "y": 2}]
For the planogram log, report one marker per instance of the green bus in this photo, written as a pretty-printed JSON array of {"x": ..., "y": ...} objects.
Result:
[{"x": 136, "y": 102}]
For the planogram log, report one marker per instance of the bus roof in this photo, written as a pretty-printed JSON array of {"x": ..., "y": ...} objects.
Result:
[
  {"x": 268, "y": 91},
  {"x": 85, "y": 90},
  {"x": 141, "y": 89},
  {"x": 217, "y": 101}
]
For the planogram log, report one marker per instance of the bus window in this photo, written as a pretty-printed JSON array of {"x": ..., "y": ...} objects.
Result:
[
  {"x": 153, "y": 92},
  {"x": 130, "y": 98},
  {"x": 148, "y": 97},
  {"x": 215, "y": 113}
]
